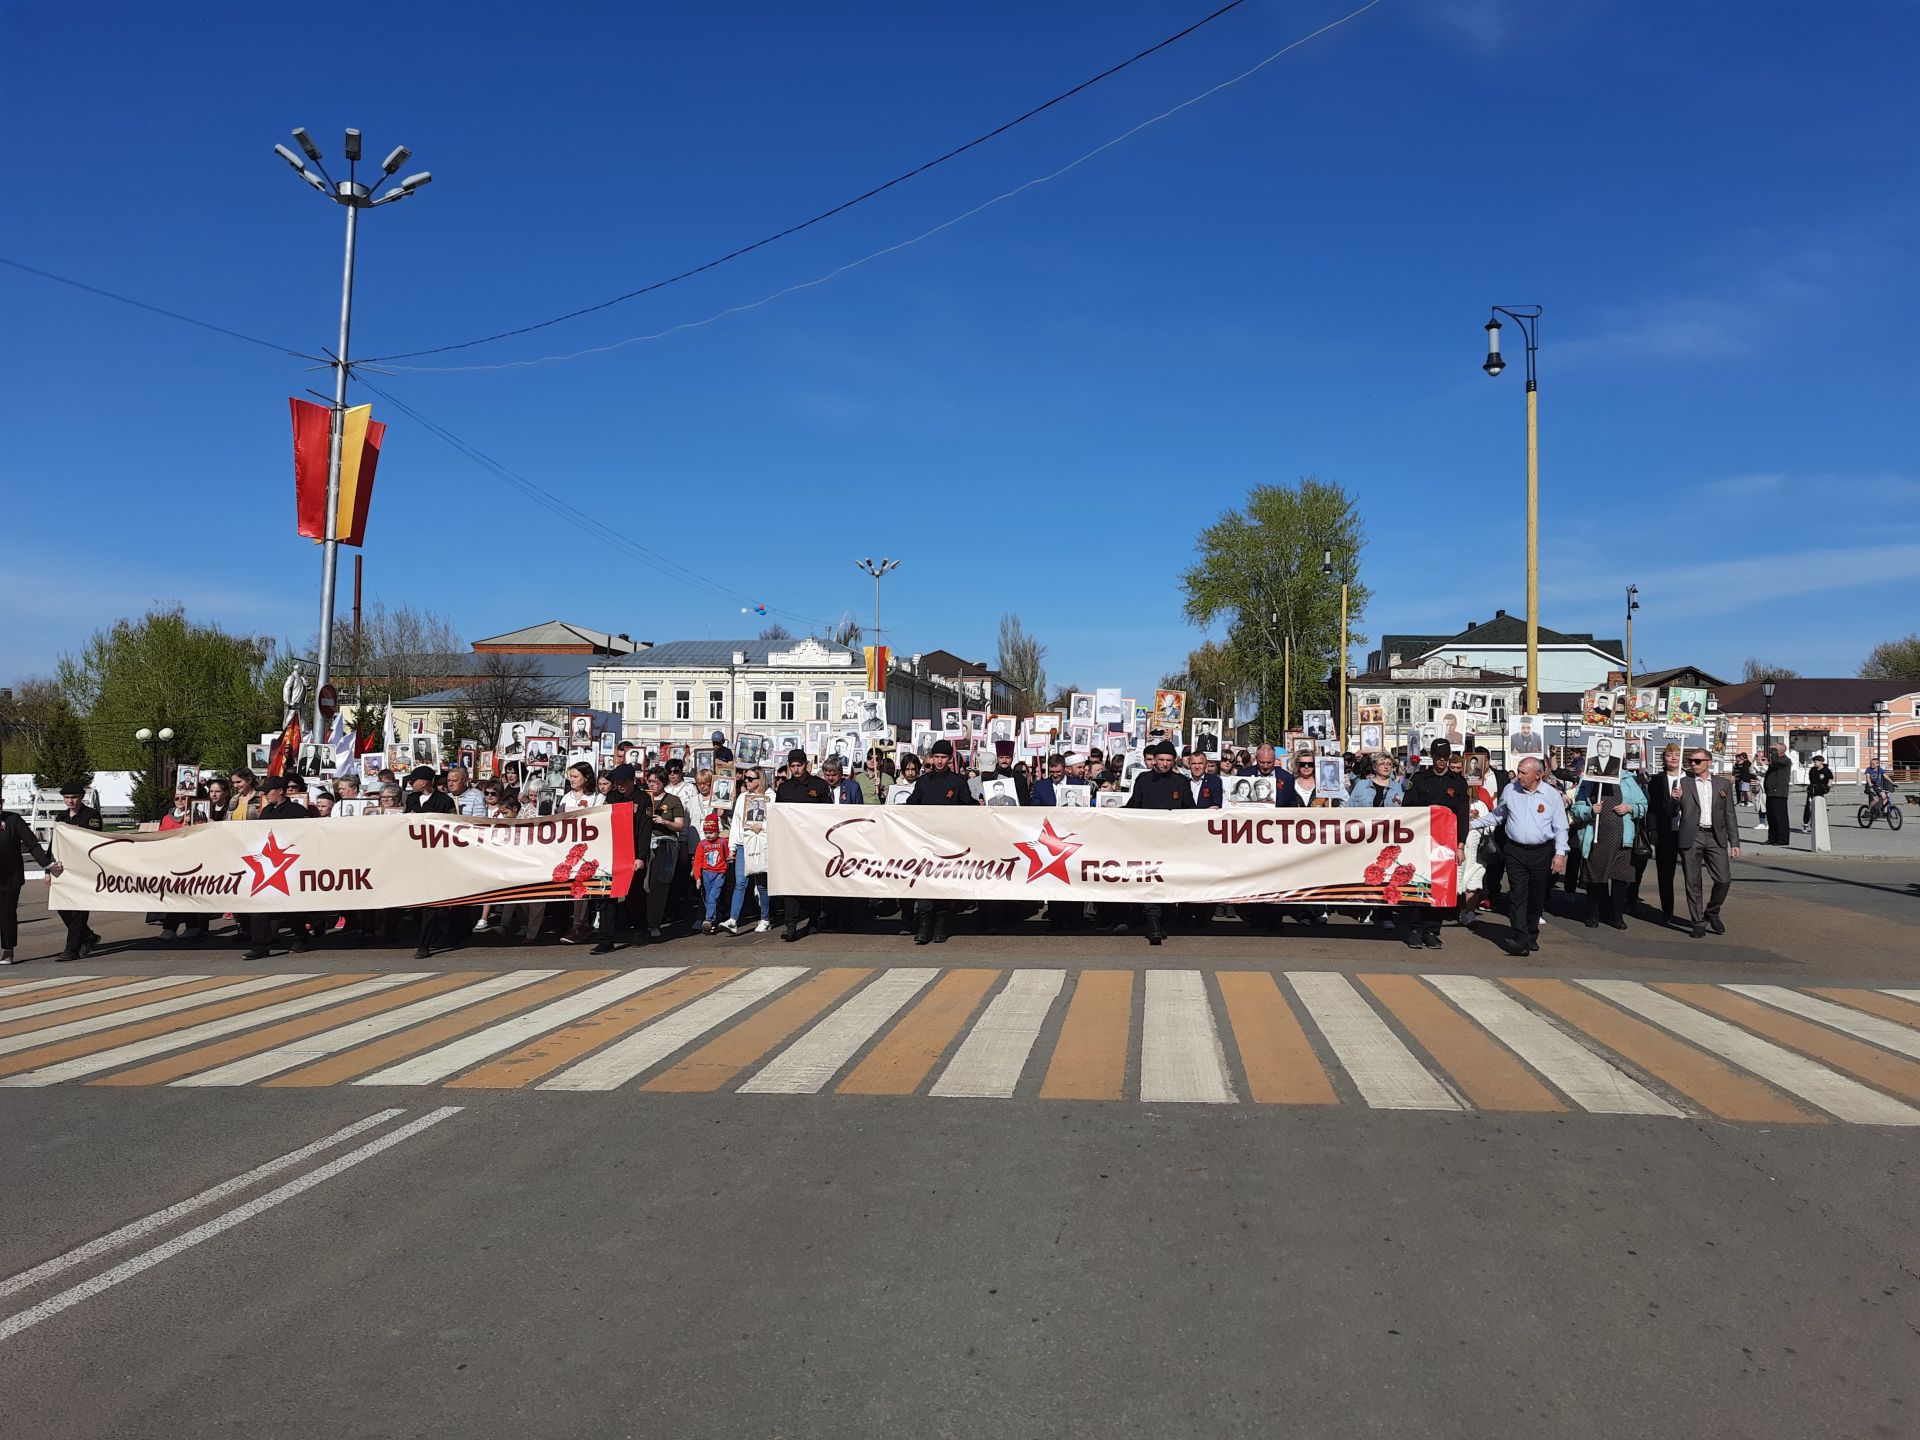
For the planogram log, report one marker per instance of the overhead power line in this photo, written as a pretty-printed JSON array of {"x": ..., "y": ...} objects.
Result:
[
  {"x": 827, "y": 214},
  {"x": 160, "y": 310}
]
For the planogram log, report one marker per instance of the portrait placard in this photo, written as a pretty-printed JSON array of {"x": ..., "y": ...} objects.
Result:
[
  {"x": 186, "y": 779},
  {"x": 1525, "y": 736},
  {"x": 1207, "y": 733},
  {"x": 1371, "y": 736},
  {"x": 1605, "y": 748},
  {"x": 1110, "y": 712},
  {"x": 1317, "y": 724},
  {"x": 1686, "y": 707}
]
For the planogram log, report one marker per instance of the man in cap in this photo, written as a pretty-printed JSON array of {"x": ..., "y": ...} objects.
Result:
[
  {"x": 277, "y": 804},
  {"x": 939, "y": 784},
  {"x": 1158, "y": 788},
  {"x": 800, "y": 788},
  {"x": 422, "y": 796},
  {"x": 80, "y": 935}
]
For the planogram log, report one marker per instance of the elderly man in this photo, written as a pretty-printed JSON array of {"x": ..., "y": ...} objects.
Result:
[
  {"x": 1778, "y": 783},
  {"x": 1709, "y": 840},
  {"x": 1536, "y": 821},
  {"x": 466, "y": 799}
]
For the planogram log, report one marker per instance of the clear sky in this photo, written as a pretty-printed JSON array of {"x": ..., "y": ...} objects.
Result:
[{"x": 1035, "y": 409}]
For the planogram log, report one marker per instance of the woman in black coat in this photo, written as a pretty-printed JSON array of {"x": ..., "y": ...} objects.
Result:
[{"x": 16, "y": 843}]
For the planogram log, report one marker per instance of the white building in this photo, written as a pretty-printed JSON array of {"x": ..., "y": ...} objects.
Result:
[
  {"x": 1568, "y": 661},
  {"x": 684, "y": 690},
  {"x": 1414, "y": 694}
]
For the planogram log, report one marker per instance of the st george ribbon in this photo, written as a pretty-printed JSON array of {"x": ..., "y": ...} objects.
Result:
[
  {"x": 1231, "y": 856},
  {"x": 362, "y": 863}
]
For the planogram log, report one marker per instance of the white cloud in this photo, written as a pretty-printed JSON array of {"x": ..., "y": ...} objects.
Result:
[{"x": 1718, "y": 587}]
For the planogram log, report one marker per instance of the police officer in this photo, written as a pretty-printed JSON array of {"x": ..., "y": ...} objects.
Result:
[
  {"x": 801, "y": 788},
  {"x": 1158, "y": 788},
  {"x": 939, "y": 784},
  {"x": 80, "y": 935},
  {"x": 1435, "y": 786}
]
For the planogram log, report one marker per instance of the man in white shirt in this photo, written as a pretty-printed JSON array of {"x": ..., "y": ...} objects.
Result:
[
  {"x": 466, "y": 799},
  {"x": 1709, "y": 839}
]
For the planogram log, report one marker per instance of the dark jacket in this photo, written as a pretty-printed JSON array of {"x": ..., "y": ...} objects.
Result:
[
  {"x": 434, "y": 802},
  {"x": 1440, "y": 787},
  {"x": 86, "y": 816},
  {"x": 1154, "y": 791},
  {"x": 1212, "y": 794},
  {"x": 1819, "y": 779},
  {"x": 807, "y": 790},
  {"x": 285, "y": 810},
  {"x": 1663, "y": 806},
  {"x": 936, "y": 788},
  {"x": 1724, "y": 828},
  {"x": 17, "y": 841},
  {"x": 1779, "y": 781}
]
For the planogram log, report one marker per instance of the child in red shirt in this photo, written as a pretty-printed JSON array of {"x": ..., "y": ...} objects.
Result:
[{"x": 710, "y": 864}]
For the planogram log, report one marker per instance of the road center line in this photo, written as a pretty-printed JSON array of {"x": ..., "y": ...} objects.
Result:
[
  {"x": 219, "y": 1225},
  {"x": 160, "y": 1219}
]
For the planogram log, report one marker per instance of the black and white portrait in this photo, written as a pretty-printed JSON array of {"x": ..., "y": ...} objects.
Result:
[{"x": 1080, "y": 711}]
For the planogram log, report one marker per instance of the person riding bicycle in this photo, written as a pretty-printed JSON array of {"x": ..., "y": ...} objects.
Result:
[{"x": 1875, "y": 779}]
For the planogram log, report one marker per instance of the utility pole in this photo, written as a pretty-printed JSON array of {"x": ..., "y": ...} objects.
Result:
[
  {"x": 1527, "y": 317},
  {"x": 1633, "y": 604},
  {"x": 356, "y": 197}
]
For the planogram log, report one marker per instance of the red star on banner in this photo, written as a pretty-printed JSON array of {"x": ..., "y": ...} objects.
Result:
[
  {"x": 269, "y": 865},
  {"x": 1059, "y": 847}
]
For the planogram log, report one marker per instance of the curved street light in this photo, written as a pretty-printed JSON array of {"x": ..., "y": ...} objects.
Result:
[
  {"x": 153, "y": 740},
  {"x": 1527, "y": 317}
]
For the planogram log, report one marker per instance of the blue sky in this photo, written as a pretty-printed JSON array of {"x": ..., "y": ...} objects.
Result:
[{"x": 1035, "y": 409}]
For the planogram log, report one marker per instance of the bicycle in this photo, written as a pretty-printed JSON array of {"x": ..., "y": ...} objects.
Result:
[{"x": 1883, "y": 806}]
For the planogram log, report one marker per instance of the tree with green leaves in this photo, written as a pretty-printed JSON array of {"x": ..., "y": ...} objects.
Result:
[
  {"x": 1893, "y": 660},
  {"x": 1261, "y": 574},
  {"x": 1022, "y": 666},
  {"x": 60, "y": 749},
  {"x": 219, "y": 692},
  {"x": 1210, "y": 680}
]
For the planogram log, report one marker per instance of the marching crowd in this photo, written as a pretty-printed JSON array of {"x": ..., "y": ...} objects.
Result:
[{"x": 703, "y": 865}]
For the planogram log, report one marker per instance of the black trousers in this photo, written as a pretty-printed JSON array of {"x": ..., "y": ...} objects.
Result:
[
  {"x": 1779, "y": 830},
  {"x": 1529, "y": 876},
  {"x": 9, "y": 916},
  {"x": 1666, "y": 859},
  {"x": 78, "y": 931}
]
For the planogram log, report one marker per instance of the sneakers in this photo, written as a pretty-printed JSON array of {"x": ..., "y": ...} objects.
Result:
[
  {"x": 763, "y": 927},
  {"x": 482, "y": 925},
  {"x": 653, "y": 932},
  {"x": 258, "y": 952},
  {"x": 1432, "y": 941},
  {"x": 605, "y": 947},
  {"x": 729, "y": 927},
  {"x": 423, "y": 952},
  {"x": 6, "y": 958}
]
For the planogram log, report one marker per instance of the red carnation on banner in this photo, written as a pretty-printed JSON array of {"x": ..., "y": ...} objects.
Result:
[{"x": 575, "y": 880}]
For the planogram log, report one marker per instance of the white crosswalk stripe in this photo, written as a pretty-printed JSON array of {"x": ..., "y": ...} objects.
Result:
[
  {"x": 1180, "y": 1055},
  {"x": 989, "y": 1062},
  {"x": 1797, "y": 1075},
  {"x": 469, "y": 1050},
  {"x": 21, "y": 987},
  {"x": 1852, "y": 1022},
  {"x": 331, "y": 1042},
  {"x": 1383, "y": 1070},
  {"x": 648, "y": 1046},
  {"x": 1582, "y": 1076},
  {"x": 33, "y": 1039},
  {"x": 1913, "y": 995},
  {"x": 811, "y": 1061},
  {"x": 90, "y": 997},
  {"x": 211, "y": 1030}
]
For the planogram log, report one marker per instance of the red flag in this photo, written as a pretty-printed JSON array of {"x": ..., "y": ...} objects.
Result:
[
  {"x": 359, "y": 457},
  {"x": 312, "y": 436},
  {"x": 286, "y": 750}
]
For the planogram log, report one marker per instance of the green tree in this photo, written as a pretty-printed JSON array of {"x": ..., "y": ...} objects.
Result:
[
  {"x": 218, "y": 691},
  {"x": 1210, "y": 679},
  {"x": 1893, "y": 660},
  {"x": 1260, "y": 573},
  {"x": 1022, "y": 666},
  {"x": 60, "y": 749}
]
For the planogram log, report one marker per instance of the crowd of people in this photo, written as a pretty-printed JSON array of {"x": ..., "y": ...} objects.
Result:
[{"x": 702, "y": 849}]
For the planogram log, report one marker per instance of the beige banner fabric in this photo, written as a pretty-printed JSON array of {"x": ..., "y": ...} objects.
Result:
[
  {"x": 1324, "y": 856},
  {"x": 359, "y": 863}
]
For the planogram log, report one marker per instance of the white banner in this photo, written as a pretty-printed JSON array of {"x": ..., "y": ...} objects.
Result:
[
  {"x": 376, "y": 863},
  {"x": 1323, "y": 856}
]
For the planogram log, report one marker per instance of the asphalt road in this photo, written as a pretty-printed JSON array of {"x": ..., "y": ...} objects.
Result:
[{"x": 832, "y": 1264}]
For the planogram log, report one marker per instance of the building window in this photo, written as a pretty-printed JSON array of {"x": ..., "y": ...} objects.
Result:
[
  {"x": 1403, "y": 710},
  {"x": 617, "y": 701},
  {"x": 716, "y": 704},
  {"x": 786, "y": 704},
  {"x": 759, "y": 704},
  {"x": 1500, "y": 710},
  {"x": 683, "y": 704},
  {"x": 649, "y": 704},
  {"x": 1842, "y": 751},
  {"x": 822, "y": 704}
]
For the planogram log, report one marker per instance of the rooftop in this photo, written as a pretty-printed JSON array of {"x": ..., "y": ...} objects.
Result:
[
  {"x": 718, "y": 654},
  {"x": 555, "y": 633},
  {"x": 1503, "y": 629},
  {"x": 1811, "y": 697}
]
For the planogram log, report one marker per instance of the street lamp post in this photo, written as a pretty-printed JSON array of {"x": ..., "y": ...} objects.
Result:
[
  {"x": 877, "y": 572},
  {"x": 356, "y": 197},
  {"x": 1881, "y": 709},
  {"x": 1326, "y": 569},
  {"x": 1633, "y": 604},
  {"x": 1766, "y": 739},
  {"x": 153, "y": 740},
  {"x": 1527, "y": 317}
]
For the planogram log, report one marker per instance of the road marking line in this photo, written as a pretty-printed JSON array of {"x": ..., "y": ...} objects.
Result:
[
  {"x": 1913, "y": 995},
  {"x": 1834, "y": 1093},
  {"x": 160, "y": 1219},
  {"x": 1586, "y": 1079},
  {"x": 646, "y": 1048},
  {"x": 1854, "y": 1057},
  {"x": 234, "y": 1015},
  {"x": 1491, "y": 1078},
  {"x": 1090, "y": 1056},
  {"x": 417, "y": 1003},
  {"x": 1275, "y": 1053},
  {"x": 732, "y": 1051},
  {"x": 990, "y": 1061},
  {"x": 9, "y": 1019},
  {"x": 1877, "y": 1002},
  {"x": 1883, "y": 1033},
  {"x": 229, "y": 989},
  {"x": 65, "y": 984},
  {"x": 1712, "y": 1084},
  {"x": 812, "y": 1060},
  {"x": 1181, "y": 1058},
  {"x": 437, "y": 1065},
  {"x": 146, "y": 1260},
  {"x": 1384, "y": 1071},
  {"x": 901, "y": 1062},
  {"x": 559, "y": 1048}
]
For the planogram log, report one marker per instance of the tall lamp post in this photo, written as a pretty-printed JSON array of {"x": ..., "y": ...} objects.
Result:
[
  {"x": 877, "y": 572},
  {"x": 356, "y": 197},
  {"x": 1527, "y": 317},
  {"x": 1881, "y": 709},
  {"x": 153, "y": 740},
  {"x": 1633, "y": 604},
  {"x": 1766, "y": 739},
  {"x": 1326, "y": 569}
]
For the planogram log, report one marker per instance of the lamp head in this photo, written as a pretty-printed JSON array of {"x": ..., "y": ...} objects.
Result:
[
  {"x": 143, "y": 734},
  {"x": 305, "y": 142},
  {"x": 1766, "y": 688},
  {"x": 292, "y": 159},
  {"x": 353, "y": 145},
  {"x": 401, "y": 154},
  {"x": 166, "y": 732},
  {"x": 1494, "y": 363},
  {"x": 414, "y": 182}
]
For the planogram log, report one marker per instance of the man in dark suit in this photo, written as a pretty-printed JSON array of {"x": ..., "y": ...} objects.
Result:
[
  {"x": 1664, "y": 791},
  {"x": 1709, "y": 840},
  {"x": 17, "y": 842},
  {"x": 80, "y": 935},
  {"x": 1778, "y": 783},
  {"x": 1204, "y": 788}
]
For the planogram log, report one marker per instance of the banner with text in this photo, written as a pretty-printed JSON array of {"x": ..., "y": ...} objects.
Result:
[
  {"x": 1323, "y": 857},
  {"x": 372, "y": 863}
]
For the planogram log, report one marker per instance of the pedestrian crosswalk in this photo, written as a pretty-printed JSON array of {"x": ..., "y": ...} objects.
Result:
[{"x": 1407, "y": 1041}]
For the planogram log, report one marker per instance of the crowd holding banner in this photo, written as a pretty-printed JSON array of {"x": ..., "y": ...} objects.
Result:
[{"x": 689, "y": 838}]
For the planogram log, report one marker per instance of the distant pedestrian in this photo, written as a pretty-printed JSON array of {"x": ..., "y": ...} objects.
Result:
[
  {"x": 17, "y": 841},
  {"x": 1778, "y": 783}
]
